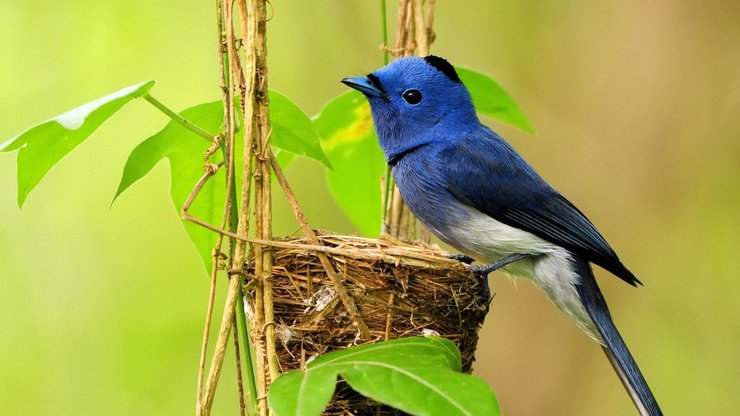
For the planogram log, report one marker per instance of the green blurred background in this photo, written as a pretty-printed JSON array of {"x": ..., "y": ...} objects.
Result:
[{"x": 636, "y": 106}]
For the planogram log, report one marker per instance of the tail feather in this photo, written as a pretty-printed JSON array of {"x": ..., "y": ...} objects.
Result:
[{"x": 614, "y": 345}]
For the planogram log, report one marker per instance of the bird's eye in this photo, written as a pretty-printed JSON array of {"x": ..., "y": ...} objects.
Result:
[{"x": 412, "y": 97}]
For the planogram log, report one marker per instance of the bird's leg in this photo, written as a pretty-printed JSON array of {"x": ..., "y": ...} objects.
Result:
[
  {"x": 485, "y": 288},
  {"x": 482, "y": 271},
  {"x": 485, "y": 269},
  {"x": 462, "y": 258}
]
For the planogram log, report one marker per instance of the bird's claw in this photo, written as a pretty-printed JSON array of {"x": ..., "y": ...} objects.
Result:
[
  {"x": 483, "y": 277},
  {"x": 478, "y": 269},
  {"x": 481, "y": 271},
  {"x": 462, "y": 258}
]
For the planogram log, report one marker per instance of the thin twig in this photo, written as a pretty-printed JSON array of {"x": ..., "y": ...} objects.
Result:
[
  {"x": 431, "y": 36},
  {"x": 217, "y": 248},
  {"x": 389, "y": 254},
  {"x": 235, "y": 278},
  {"x": 386, "y": 181},
  {"x": 263, "y": 151},
  {"x": 216, "y": 254},
  {"x": 401, "y": 26},
  {"x": 413, "y": 31},
  {"x": 347, "y": 300},
  {"x": 389, "y": 317}
]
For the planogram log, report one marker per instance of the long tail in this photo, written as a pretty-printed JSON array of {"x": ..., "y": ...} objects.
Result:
[{"x": 615, "y": 348}]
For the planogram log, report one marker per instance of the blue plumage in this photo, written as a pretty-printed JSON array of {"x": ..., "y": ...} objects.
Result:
[
  {"x": 520, "y": 198},
  {"x": 472, "y": 190}
]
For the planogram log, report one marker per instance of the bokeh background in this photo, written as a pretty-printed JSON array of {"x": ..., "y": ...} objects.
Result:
[{"x": 637, "y": 110}]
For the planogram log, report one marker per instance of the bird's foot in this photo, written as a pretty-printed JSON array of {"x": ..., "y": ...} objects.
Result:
[
  {"x": 462, "y": 258},
  {"x": 485, "y": 292},
  {"x": 482, "y": 271}
]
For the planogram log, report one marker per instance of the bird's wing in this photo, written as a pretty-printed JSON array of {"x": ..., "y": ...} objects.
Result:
[{"x": 492, "y": 178}]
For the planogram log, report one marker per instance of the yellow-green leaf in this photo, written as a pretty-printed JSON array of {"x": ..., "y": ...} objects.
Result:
[
  {"x": 293, "y": 130},
  {"x": 184, "y": 151},
  {"x": 420, "y": 376},
  {"x": 44, "y": 144},
  {"x": 348, "y": 138}
]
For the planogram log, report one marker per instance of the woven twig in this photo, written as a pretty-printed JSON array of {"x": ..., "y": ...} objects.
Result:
[{"x": 396, "y": 296}]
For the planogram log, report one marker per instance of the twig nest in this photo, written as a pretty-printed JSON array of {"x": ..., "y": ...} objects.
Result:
[{"x": 400, "y": 289}]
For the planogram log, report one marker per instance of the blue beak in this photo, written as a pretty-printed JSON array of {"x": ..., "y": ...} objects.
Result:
[{"x": 364, "y": 85}]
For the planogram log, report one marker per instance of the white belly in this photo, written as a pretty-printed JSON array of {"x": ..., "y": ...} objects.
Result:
[{"x": 487, "y": 240}]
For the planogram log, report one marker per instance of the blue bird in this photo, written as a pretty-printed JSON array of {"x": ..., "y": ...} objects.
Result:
[{"x": 477, "y": 194}]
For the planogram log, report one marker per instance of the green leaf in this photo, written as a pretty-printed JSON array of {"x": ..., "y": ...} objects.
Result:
[
  {"x": 44, "y": 144},
  {"x": 303, "y": 393},
  {"x": 184, "y": 150},
  {"x": 429, "y": 352},
  {"x": 292, "y": 130},
  {"x": 490, "y": 99},
  {"x": 348, "y": 138},
  {"x": 423, "y": 391},
  {"x": 420, "y": 376}
]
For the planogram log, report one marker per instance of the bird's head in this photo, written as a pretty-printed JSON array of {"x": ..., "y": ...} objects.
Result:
[{"x": 415, "y": 101}]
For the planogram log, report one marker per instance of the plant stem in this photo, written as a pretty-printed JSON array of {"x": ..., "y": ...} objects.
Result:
[
  {"x": 344, "y": 295},
  {"x": 179, "y": 119},
  {"x": 244, "y": 329},
  {"x": 241, "y": 320},
  {"x": 384, "y": 19},
  {"x": 388, "y": 178}
]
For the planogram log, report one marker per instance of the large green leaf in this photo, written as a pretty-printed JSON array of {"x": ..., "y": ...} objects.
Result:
[
  {"x": 431, "y": 351},
  {"x": 422, "y": 391},
  {"x": 44, "y": 144},
  {"x": 420, "y": 376},
  {"x": 184, "y": 150},
  {"x": 303, "y": 393},
  {"x": 292, "y": 130},
  {"x": 348, "y": 138},
  {"x": 490, "y": 99}
]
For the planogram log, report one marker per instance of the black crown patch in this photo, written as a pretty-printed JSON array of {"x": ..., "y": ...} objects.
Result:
[{"x": 443, "y": 66}]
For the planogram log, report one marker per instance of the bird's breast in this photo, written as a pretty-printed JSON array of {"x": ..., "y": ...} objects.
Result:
[{"x": 488, "y": 240}]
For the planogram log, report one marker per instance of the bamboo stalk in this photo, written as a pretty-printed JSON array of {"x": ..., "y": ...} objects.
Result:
[
  {"x": 422, "y": 42},
  {"x": 219, "y": 240},
  {"x": 214, "y": 373},
  {"x": 263, "y": 151},
  {"x": 413, "y": 31},
  {"x": 252, "y": 20}
]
